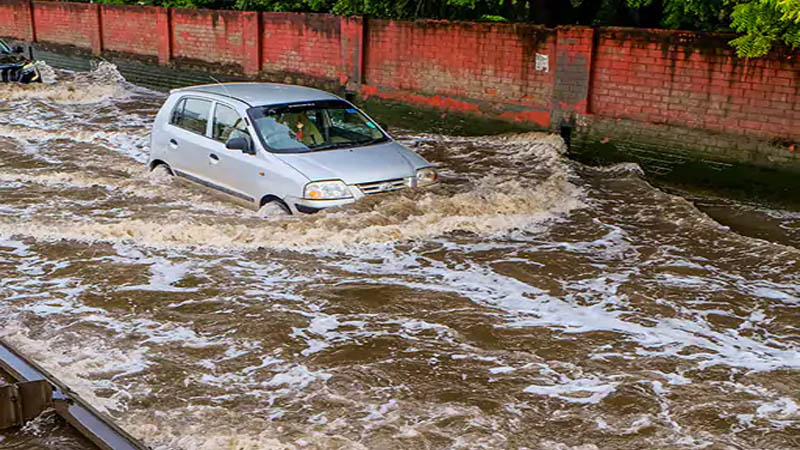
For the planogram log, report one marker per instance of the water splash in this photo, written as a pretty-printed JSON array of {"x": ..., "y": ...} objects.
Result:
[
  {"x": 488, "y": 209},
  {"x": 47, "y": 73},
  {"x": 103, "y": 82}
]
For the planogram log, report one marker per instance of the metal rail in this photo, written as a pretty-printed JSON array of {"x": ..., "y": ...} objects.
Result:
[{"x": 93, "y": 424}]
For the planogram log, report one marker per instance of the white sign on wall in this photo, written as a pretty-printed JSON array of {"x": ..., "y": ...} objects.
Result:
[{"x": 542, "y": 63}]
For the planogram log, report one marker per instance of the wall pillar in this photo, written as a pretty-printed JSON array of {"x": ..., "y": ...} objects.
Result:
[
  {"x": 352, "y": 48},
  {"x": 251, "y": 43},
  {"x": 96, "y": 28},
  {"x": 27, "y": 16},
  {"x": 164, "y": 38},
  {"x": 574, "y": 48}
]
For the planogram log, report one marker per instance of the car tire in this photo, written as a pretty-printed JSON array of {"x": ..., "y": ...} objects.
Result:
[{"x": 275, "y": 208}]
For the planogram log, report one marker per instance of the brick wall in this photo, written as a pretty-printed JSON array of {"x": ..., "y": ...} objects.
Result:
[
  {"x": 130, "y": 29},
  {"x": 695, "y": 80},
  {"x": 479, "y": 62},
  {"x": 306, "y": 45},
  {"x": 15, "y": 18},
  {"x": 209, "y": 36},
  {"x": 66, "y": 23}
]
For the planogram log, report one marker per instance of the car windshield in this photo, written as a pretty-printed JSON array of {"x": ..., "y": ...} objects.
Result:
[{"x": 314, "y": 126}]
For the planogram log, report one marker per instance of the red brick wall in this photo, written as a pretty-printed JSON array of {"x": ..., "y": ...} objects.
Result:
[
  {"x": 131, "y": 29},
  {"x": 481, "y": 62},
  {"x": 210, "y": 36},
  {"x": 302, "y": 44},
  {"x": 694, "y": 80},
  {"x": 15, "y": 19},
  {"x": 65, "y": 23},
  {"x": 651, "y": 76}
]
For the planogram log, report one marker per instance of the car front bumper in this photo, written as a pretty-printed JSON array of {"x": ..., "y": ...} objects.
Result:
[{"x": 305, "y": 205}]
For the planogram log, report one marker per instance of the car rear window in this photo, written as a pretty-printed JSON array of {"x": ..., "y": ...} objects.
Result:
[{"x": 192, "y": 114}]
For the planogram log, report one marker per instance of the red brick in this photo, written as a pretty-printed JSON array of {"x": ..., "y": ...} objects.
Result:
[
  {"x": 15, "y": 19},
  {"x": 66, "y": 23},
  {"x": 130, "y": 29}
]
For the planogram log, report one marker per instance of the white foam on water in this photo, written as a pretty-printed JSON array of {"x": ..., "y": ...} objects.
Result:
[
  {"x": 139, "y": 183},
  {"x": 77, "y": 109},
  {"x": 198, "y": 427},
  {"x": 783, "y": 408},
  {"x": 490, "y": 208},
  {"x": 552, "y": 445},
  {"x": 298, "y": 377},
  {"x": 619, "y": 169},
  {"x": 103, "y": 82},
  {"x": 528, "y": 307},
  {"x": 83, "y": 367},
  {"x": 133, "y": 145},
  {"x": 582, "y": 390},
  {"x": 773, "y": 291},
  {"x": 19, "y": 248},
  {"x": 164, "y": 273},
  {"x": 213, "y": 428},
  {"x": 673, "y": 379}
]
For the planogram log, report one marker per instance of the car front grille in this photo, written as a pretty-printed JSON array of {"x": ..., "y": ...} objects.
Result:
[{"x": 378, "y": 187}]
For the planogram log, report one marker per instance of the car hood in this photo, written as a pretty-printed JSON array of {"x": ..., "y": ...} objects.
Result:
[{"x": 357, "y": 165}]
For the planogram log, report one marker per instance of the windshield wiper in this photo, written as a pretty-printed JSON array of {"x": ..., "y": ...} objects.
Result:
[{"x": 332, "y": 145}]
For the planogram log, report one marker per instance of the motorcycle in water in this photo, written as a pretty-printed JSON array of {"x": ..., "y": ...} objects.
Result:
[{"x": 15, "y": 67}]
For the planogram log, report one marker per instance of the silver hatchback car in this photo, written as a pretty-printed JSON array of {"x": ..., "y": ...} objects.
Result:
[{"x": 273, "y": 145}]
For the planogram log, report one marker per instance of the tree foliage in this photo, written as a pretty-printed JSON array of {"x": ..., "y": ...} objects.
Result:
[
  {"x": 762, "y": 23},
  {"x": 765, "y": 23}
]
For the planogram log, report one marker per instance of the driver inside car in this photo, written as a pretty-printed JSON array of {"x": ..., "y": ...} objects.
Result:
[{"x": 305, "y": 130}]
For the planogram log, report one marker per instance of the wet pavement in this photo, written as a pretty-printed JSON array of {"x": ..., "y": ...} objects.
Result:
[{"x": 527, "y": 301}]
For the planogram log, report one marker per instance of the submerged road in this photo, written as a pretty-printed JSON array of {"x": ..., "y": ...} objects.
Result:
[{"x": 527, "y": 301}]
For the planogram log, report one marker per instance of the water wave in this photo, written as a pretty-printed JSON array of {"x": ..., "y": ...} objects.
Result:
[{"x": 489, "y": 208}]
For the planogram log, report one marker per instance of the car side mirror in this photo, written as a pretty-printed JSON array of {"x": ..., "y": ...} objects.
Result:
[
  {"x": 239, "y": 143},
  {"x": 18, "y": 49}
]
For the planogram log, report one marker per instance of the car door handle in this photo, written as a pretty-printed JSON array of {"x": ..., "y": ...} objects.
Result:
[
  {"x": 173, "y": 143},
  {"x": 213, "y": 159}
]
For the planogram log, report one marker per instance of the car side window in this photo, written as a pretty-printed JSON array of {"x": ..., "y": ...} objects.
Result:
[
  {"x": 192, "y": 114},
  {"x": 228, "y": 124}
]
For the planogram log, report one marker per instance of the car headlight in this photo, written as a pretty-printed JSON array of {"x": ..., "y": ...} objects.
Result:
[
  {"x": 427, "y": 176},
  {"x": 327, "y": 190}
]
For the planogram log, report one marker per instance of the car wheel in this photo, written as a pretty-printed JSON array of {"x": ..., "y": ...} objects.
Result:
[
  {"x": 275, "y": 208},
  {"x": 161, "y": 172}
]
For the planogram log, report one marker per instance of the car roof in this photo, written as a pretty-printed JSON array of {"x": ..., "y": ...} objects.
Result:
[{"x": 260, "y": 94}]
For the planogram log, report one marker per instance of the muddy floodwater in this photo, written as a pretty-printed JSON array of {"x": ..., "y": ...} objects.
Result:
[{"x": 527, "y": 301}]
